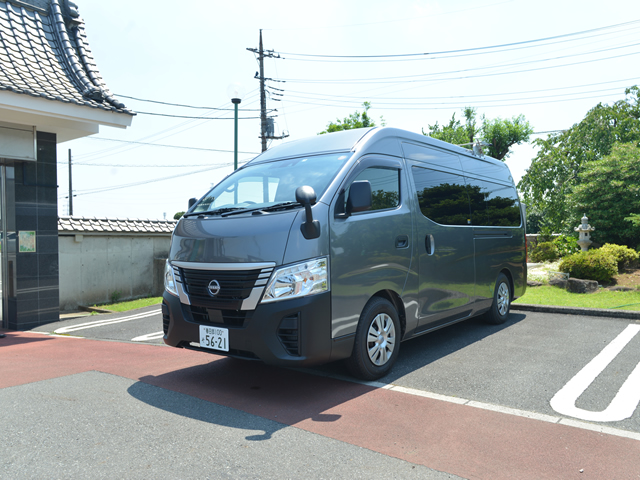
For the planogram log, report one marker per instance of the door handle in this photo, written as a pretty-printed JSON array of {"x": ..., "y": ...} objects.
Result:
[
  {"x": 402, "y": 241},
  {"x": 429, "y": 244}
]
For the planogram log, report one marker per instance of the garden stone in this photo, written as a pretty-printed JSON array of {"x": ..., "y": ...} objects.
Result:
[
  {"x": 620, "y": 288},
  {"x": 558, "y": 282},
  {"x": 577, "y": 285},
  {"x": 533, "y": 283}
]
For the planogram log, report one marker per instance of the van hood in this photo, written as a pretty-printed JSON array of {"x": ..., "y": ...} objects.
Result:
[{"x": 244, "y": 238}]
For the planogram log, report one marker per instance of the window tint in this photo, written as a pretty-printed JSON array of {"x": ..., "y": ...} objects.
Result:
[
  {"x": 442, "y": 196},
  {"x": 477, "y": 166},
  {"x": 493, "y": 204},
  {"x": 385, "y": 187},
  {"x": 430, "y": 155}
]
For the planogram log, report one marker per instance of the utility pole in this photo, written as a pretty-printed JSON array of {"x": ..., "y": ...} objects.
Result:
[
  {"x": 70, "y": 188},
  {"x": 266, "y": 132}
]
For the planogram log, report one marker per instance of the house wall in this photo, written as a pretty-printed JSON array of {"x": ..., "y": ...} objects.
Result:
[
  {"x": 36, "y": 210},
  {"x": 93, "y": 267}
]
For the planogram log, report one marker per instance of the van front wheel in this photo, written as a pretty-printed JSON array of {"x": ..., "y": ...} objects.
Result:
[
  {"x": 377, "y": 341},
  {"x": 499, "y": 310}
]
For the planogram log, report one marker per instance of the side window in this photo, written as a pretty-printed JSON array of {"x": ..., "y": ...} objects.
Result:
[
  {"x": 385, "y": 187},
  {"x": 442, "y": 196},
  {"x": 493, "y": 204}
]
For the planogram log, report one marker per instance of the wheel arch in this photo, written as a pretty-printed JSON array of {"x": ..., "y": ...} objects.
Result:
[
  {"x": 507, "y": 273},
  {"x": 398, "y": 304}
]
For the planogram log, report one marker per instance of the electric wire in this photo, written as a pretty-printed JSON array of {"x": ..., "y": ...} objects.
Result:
[
  {"x": 414, "y": 78},
  {"x": 422, "y": 54}
]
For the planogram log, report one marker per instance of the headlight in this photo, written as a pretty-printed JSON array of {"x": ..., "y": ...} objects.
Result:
[
  {"x": 298, "y": 280},
  {"x": 169, "y": 280}
]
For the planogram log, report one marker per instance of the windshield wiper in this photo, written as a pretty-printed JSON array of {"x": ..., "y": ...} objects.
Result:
[
  {"x": 217, "y": 211},
  {"x": 270, "y": 208}
]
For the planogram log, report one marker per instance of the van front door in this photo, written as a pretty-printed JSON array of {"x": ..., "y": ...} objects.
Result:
[
  {"x": 370, "y": 250},
  {"x": 444, "y": 238}
]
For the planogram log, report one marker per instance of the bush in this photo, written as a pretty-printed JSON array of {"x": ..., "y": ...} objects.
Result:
[
  {"x": 544, "y": 252},
  {"x": 623, "y": 255},
  {"x": 596, "y": 265},
  {"x": 566, "y": 245}
]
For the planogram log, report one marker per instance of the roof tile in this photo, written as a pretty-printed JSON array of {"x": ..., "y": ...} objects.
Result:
[
  {"x": 116, "y": 226},
  {"x": 33, "y": 43}
]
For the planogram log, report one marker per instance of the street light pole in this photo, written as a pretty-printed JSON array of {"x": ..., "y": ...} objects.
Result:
[
  {"x": 235, "y": 92},
  {"x": 236, "y": 102}
]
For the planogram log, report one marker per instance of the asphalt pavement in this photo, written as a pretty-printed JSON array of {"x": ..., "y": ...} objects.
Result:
[{"x": 470, "y": 403}]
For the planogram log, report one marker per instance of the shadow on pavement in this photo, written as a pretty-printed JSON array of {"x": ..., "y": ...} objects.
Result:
[
  {"x": 419, "y": 352},
  {"x": 14, "y": 338},
  {"x": 285, "y": 396}
]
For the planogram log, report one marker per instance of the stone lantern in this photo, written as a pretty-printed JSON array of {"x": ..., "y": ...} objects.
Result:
[{"x": 584, "y": 230}]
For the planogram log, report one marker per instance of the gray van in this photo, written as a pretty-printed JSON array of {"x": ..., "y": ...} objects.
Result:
[{"x": 341, "y": 246}]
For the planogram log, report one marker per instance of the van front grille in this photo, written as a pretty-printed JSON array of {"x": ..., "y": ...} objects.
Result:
[{"x": 235, "y": 286}]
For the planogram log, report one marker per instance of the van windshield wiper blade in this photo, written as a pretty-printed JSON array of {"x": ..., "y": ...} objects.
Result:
[
  {"x": 217, "y": 211},
  {"x": 270, "y": 208}
]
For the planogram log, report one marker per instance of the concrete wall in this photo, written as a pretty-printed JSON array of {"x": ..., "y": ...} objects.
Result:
[{"x": 93, "y": 267}]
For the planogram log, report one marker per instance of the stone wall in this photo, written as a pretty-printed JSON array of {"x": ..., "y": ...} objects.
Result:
[{"x": 94, "y": 268}]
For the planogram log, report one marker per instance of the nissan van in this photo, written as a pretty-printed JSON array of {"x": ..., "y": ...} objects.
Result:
[{"x": 342, "y": 246}]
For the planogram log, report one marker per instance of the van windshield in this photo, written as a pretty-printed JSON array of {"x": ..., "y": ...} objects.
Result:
[{"x": 271, "y": 184}]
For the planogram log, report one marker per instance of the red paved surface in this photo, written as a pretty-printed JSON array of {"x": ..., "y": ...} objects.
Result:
[{"x": 458, "y": 439}]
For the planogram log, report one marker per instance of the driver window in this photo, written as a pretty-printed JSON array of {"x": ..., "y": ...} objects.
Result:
[{"x": 385, "y": 187}]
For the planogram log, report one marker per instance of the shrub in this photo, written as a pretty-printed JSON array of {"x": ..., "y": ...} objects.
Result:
[
  {"x": 623, "y": 255},
  {"x": 566, "y": 245},
  {"x": 544, "y": 252},
  {"x": 596, "y": 265}
]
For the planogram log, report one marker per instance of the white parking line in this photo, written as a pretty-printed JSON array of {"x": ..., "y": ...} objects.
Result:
[
  {"x": 148, "y": 336},
  {"x": 100, "y": 323},
  {"x": 623, "y": 404}
]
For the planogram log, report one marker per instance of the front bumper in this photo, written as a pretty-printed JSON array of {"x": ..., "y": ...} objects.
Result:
[{"x": 294, "y": 332}]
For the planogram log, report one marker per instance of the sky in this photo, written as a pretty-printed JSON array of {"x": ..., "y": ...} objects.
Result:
[{"x": 416, "y": 62}]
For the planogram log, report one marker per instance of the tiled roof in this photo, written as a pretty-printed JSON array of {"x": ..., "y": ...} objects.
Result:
[
  {"x": 82, "y": 225},
  {"x": 44, "y": 53}
]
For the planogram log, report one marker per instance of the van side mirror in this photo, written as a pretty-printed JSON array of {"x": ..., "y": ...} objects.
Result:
[
  {"x": 192, "y": 202},
  {"x": 359, "y": 197},
  {"x": 306, "y": 197}
]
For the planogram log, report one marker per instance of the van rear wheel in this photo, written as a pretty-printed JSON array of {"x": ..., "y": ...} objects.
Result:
[
  {"x": 499, "y": 311},
  {"x": 377, "y": 341}
]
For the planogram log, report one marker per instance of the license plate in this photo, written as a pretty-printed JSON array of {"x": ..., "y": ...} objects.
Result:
[{"x": 215, "y": 338}]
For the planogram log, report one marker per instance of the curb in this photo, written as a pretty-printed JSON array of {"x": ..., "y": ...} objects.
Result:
[{"x": 592, "y": 312}]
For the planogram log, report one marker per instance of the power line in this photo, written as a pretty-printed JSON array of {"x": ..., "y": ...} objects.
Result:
[
  {"x": 444, "y": 52},
  {"x": 188, "y": 106},
  {"x": 195, "y": 118},
  {"x": 368, "y": 97},
  {"x": 145, "y": 182},
  {"x": 415, "y": 78},
  {"x": 457, "y": 105},
  {"x": 168, "y": 146}
]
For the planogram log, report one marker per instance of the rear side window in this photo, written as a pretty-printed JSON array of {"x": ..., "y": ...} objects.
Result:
[
  {"x": 442, "y": 196},
  {"x": 385, "y": 187},
  {"x": 493, "y": 204}
]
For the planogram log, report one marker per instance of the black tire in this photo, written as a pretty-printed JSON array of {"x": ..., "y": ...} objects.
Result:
[
  {"x": 499, "y": 311},
  {"x": 373, "y": 356}
]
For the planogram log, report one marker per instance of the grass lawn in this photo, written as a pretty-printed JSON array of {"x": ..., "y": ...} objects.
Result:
[
  {"x": 132, "y": 304},
  {"x": 547, "y": 295}
]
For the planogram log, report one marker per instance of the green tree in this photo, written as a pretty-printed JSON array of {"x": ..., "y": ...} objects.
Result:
[
  {"x": 455, "y": 132},
  {"x": 355, "y": 120},
  {"x": 609, "y": 190},
  {"x": 500, "y": 134},
  {"x": 178, "y": 215},
  {"x": 555, "y": 171}
]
